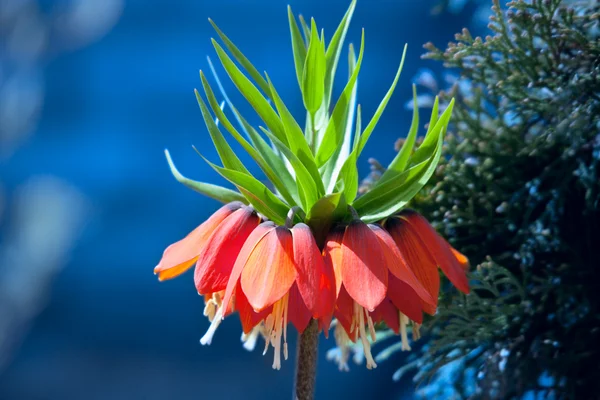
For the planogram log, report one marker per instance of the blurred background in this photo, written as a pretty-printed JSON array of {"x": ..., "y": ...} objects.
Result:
[{"x": 91, "y": 93}]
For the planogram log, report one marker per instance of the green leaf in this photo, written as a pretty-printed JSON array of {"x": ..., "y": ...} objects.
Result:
[
  {"x": 334, "y": 133},
  {"x": 430, "y": 141},
  {"x": 434, "y": 114},
  {"x": 324, "y": 213},
  {"x": 399, "y": 162},
  {"x": 335, "y": 49},
  {"x": 273, "y": 159},
  {"x": 256, "y": 155},
  {"x": 239, "y": 56},
  {"x": 213, "y": 191},
  {"x": 332, "y": 167},
  {"x": 296, "y": 139},
  {"x": 389, "y": 197},
  {"x": 313, "y": 73},
  {"x": 252, "y": 95},
  {"x": 306, "y": 184},
  {"x": 349, "y": 177},
  {"x": 305, "y": 29},
  {"x": 298, "y": 46},
  {"x": 228, "y": 157},
  {"x": 373, "y": 123},
  {"x": 261, "y": 198}
]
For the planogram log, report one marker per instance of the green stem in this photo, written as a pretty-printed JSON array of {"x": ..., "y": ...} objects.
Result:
[{"x": 306, "y": 362}]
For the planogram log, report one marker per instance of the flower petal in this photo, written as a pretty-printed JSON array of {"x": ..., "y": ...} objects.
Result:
[
  {"x": 269, "y": 272},
  {"x": 220, "y": 251},
  {"x": 405, "y": 299},
  {"x": 344, "y": 310},
  {"x": 397, "y": 265},
  {"x": 180, "y": 256},
  {"x": 298, "y": 314},
  {"x": 255, "y": 237},
  {"x": 314, "y": 279},
  {"x": 363, "y": 266},
  {"x": 333, "y": 256},
  {"x": 439, "y": 249},
  {"x": 388, "y": 313},
  {"x": 248, "y": 317},
  {"x": 460, "y": 257},
  {"x": 417, "y": 256}
]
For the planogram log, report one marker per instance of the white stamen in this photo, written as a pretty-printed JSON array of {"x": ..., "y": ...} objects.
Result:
[
  {"x": 275, "y": 328},
  {"x": 251, "y": 338},
  {"x": 416, "y": 331},
  {"x": 363, "y": 337},
  {"x": 371, "y": 327},
  {"x": 403, "y": 322},
  {"x": 341, "y": 339},
  {"x": 207, "y": 338}
]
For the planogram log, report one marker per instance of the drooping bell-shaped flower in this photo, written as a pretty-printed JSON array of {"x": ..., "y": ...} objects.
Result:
[
  {"x": 281, "y": 273},
  {"x": 425, "y": 250},
  {"x": 370, "y": 268},
  {"x": 182, "y": 255},
  {"x": 304, "y": 248}
]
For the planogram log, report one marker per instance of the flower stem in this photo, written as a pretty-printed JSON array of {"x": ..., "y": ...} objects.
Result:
[{"x": 306, "y": 358}]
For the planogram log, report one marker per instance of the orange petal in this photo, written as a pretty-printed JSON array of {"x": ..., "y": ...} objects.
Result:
[
  {"x": 397, "y": 265},
  {"x": 180, "y": 256},
  {"x": 269, "y": 272},
  {"x": 315, "y": 280},
  {"x": 220, "y": 251},
  {"x": 405, "y": 299},
  {"x": 460, "y": 257},
  {"x": 344, "y": 310},
  {"x": 417, "y": 257},
  {"x": 255, "y": 237},
  {"x": 438, "y": 248},
  {"x": 387, "y": 313},
  {"x": 298, "y": 314},
  {"x": 248, "y": 317},
  {"x": 333, "y": 256},
  {"x": 363, "y": 266}
]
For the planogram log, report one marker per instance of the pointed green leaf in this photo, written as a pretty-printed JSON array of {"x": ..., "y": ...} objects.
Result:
[
  {"x": 261, "y": 198},
  {"x": 228, "y": 157},
  {"x": 218, "y": 193},
  {"x": 399, "y": 162},
  {"x": 305, "y": 29},
  {"x": 298, "y": 46},
  {"x": 430, "y": 141},
  {"x": 260, "y": 160},
  {"x": 334, "y": 133},
  {"x": 272, "y": 156},
  {"x": 296, "y": 139},
  {"x": 252, "y": 94},
  {"x": 434, "y": 114},
  {"x": 313, "y": 73},
  {"x": 239, "y": 56},
  {"x": 335, "y": 49},
  {"x": 304, "y": 179},
  {"x": 349, "y": 178},
  {"x": 332, "y": 167},
  {"x": 389, "y": 197},
  {"x": 373, "y": 123}
]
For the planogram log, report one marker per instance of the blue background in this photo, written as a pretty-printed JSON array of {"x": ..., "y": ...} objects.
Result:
[{"x": 110, "y": 330}]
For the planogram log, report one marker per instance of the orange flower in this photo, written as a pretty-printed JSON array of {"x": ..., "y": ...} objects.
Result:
[
  {"x": 281, "y": 274},
  {"x": 369, "y": 270},
  {"x": 425, "y": 250},
  {"x": 180, "y": 256}
]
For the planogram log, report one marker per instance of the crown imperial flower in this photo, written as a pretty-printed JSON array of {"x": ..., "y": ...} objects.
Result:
[{"x": 306, "y": 249}]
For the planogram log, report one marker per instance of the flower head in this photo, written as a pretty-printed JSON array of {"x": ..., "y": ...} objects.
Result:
[{"x": 306, "y": 248}]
